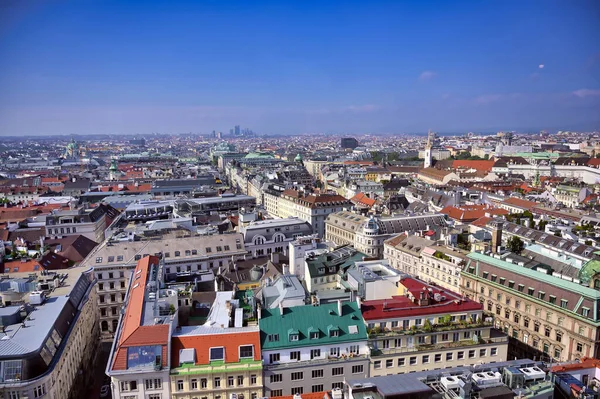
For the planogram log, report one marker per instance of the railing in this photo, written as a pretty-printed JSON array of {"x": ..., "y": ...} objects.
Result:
[
  {"x": 437, "y": 346},
  {"x": 454, "y": 327}
]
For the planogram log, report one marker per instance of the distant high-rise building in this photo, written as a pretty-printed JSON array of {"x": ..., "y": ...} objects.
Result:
[
  {"x": 138, "y": 141},
  {"x": 349, "y": 142},
  {"x": 237, "y": 130}
]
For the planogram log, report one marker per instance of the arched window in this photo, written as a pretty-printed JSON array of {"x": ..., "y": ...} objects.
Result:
[
  {"x": 104, "y": 325},
  {"x": 278, "y": 237},
  {"x": 259, "y": 240}
]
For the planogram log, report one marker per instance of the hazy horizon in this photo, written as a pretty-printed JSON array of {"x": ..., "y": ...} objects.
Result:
[{"x": 107, "y": 67}]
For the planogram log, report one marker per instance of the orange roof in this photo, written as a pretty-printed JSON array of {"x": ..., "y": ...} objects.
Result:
[
  {"x": 483, "y": 166},
  {"x": 469, "y": 213},
  {"x": 520, "y": 203},
  {"x": 584, "y": 363},
  {"x": 50, "y": 180},
  {"x": 31, "y": 266},
  {"x": 202, "y": 344},
  {"x": 482, "y": 221},
  {"x": 133, "y": 333},
  {"x": 362, "y": 199}
]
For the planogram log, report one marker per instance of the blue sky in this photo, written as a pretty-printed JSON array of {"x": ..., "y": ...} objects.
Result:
[{"x": 79, "y": 67}]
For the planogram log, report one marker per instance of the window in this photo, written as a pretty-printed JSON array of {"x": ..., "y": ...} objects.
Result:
[
  {"x": 460, "y": 355},
  {"x": 552, "y": 299},
  {"x": 297, "y": 376},
  {"x": 275, "y": 378},
  {"x": 357, "y": 369},
  {"x": 297, "y": 390},
  {"x": 240, "y": 380},
  {"x": 547, "y": 332},
  {"x": 253, "y": 379},
  {"x": 314, "y": 335},
  {"x": 177, "y": 253},
  {"x": 493, "y": 351},
  {"x": 273, "y": 337},
  {"x": 180, "y": 385},
  {"x": 337, "y": 371},
  {"x": 317, "y": 373},
  {"x": 39, "y": 391},
  {"x": 99, "y": 259},
  {"x": 482, "y": 352},
  {"x": 217, "y": 353},
  {"x": 154, "y": 396},
  {"x": 315, "y": 353},
  {"x": 521, "y": 287},
  {"x": 558, "y": 337},
  {"x": 541, "y": 295},
  {"x": 401, "y": 362},
  {"x": 449, "y": 356},
  {"x": 585, "y": 312},
  {"x": 246, "y": 351},
  {"x": 377, "y": 364},
  {"x": 564, "y": 303},
  {"x": 203, "y": 383},
  {"x": 153, "y": 383},
  {"x": 295, "y": 355},
  {"x": 230, "y": 381},
  {"x": 438, "y": 357},
  {"x": 579, "y": 347},
  {"x": 425, "y": 359},
  {"x": 530, "y": 291},
  {"x": 412, "y": 361},
  {"x": 217, "y": 382},
  {"x": 472, "y": 354},
  {"x": 276, "y": 392},
  {"x": 317, "y": 388},
  {"x": 335, "y": 385},
  {"x": 273, "y": 357}
]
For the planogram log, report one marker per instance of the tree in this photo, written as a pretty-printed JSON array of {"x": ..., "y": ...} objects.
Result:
[{"x": 515, "y": 244}]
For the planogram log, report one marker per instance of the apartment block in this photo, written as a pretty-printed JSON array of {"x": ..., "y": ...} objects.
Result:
[
  {"x": 312, "y": 348},
  {"x": 546, "y": 314},
  {"x": 427, "y": 328}
]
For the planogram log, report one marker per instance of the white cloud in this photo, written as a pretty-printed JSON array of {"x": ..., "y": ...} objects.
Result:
[
  {"x": 427, "y": 75},
  {"x": 541, "y": 66},
  {"x": 581, "y": 93}
]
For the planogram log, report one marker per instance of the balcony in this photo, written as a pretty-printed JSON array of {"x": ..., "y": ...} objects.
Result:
[
  {"x": 315, "y": 362},
  {"x": 438, "y": 346},
  {"x": 454, "y": 327}
]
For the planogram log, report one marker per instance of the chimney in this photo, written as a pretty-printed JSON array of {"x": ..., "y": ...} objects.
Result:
[
  {"x": 281, "y": 308},
  {"x": 339, "y": 303},
  {"x": 358, "y": 301},
  {"x": 259, "y": 312},
  {"x": 286, "y": 269},
  {"x": 496, "y": 235}
]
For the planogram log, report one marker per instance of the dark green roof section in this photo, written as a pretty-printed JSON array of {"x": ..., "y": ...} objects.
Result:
[
  {"x": 275, "y": 329},
  {"x": 341, "y": 258},
  {"x": 546, "y": 278}
]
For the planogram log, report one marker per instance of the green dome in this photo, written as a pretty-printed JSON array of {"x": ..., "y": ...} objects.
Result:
[
  {"x": 588, "y": 270},
  {"x": 298, "y": 158},
  {"x": 113, "y": 165}
]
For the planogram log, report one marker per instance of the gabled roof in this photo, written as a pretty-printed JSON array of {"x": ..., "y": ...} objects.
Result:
[
  {"x": 362, "y": 199},
  {"x": 479, "y": 165},
  {"x": 306, "y": 319}
]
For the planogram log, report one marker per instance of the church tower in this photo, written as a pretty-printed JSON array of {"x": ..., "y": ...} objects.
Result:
[
  {"x": 428, "y": 150},
  {"x": 114, "y": 173}
]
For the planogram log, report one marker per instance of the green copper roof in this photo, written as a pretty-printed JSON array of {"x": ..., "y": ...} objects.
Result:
[
  {"x": 321, "y": 320},
  {"x": 588, "y": 270},
  {"x": 259, "y": 155},
  {"x": 298, "y": 158},
  {"x": 533, "y": 274}
]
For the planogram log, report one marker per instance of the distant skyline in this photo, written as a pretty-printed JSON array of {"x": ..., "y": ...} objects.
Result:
[{"x": 137, "y": 67}]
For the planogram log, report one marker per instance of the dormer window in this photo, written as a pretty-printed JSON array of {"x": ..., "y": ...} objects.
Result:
[
  {"x": 217, "y": 354},
  {"x": 273, "y": 338},
  {"x": 334, "y": 332}
]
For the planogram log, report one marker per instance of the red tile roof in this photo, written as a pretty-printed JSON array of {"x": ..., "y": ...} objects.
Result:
[
  {"x": 584, "y": 363},
  {"x": 469, "y": 213},
  {"x": 202, "y": 344},
  {"x": 482, "y": 221},
  {"x": 14, "y": 266},
  {"x": 520, "y": 203},
  {"x": 401, "y": 306},
  {"x": 483, "y": 166},
  {"x": 362, "y": 199},
  {"x": 133, "y": 333}
]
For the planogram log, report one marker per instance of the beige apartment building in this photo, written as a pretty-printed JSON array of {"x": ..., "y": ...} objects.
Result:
[
  {"x": 113, "y": 262},
  {"x": 547, "y": 314}
]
